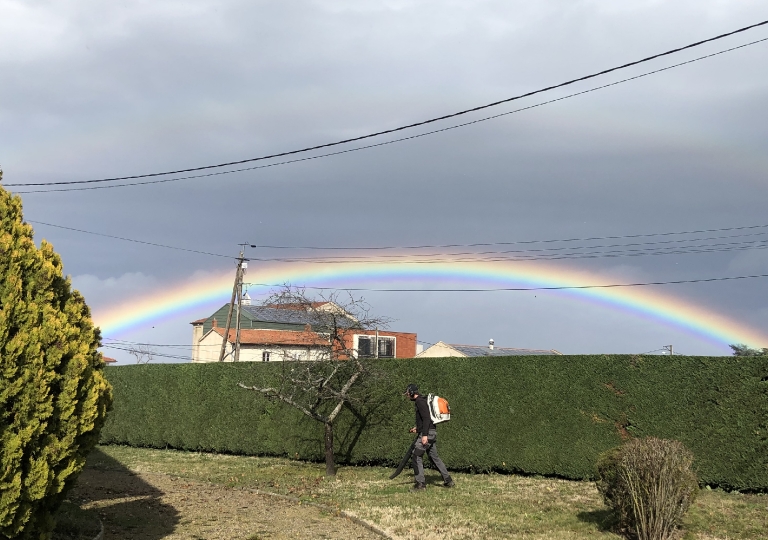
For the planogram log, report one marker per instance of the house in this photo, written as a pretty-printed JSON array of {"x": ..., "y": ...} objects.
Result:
[
  {"x": 381, "y": 343},
  {"x": 272, "y": 333},
  {"x": 444, "y": 350},
  {"x": 107, "y": 360},
  {"x": 263, "y": 345}
]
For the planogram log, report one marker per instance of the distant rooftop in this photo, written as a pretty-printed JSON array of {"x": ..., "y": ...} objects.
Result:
[
  {"x": 291, "y": 316},
  {"x": 484, "y": 350}
]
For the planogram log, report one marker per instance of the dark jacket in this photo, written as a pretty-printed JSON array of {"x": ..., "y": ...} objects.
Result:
[{"x": 423, "y": 420}]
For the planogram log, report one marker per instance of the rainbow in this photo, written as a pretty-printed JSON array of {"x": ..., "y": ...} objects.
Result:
[{"x": 649, "y": 303}]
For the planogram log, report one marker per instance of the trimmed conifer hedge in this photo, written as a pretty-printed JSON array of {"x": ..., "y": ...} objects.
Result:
[{"x": 550, "y": 415}]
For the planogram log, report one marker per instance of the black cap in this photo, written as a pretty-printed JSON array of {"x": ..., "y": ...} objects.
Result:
[{"x": 412, "y": 389}]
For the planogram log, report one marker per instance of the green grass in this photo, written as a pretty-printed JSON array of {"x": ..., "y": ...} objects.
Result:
[{"x": 481, "y": 506}]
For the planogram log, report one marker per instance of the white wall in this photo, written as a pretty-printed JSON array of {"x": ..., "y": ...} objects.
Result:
[{"x": 210, "y": 346}]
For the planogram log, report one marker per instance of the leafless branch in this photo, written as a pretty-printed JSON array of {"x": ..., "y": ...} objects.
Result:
[
  {"x": 274, "y": 394},
  {"x": 143, "y": 354}
]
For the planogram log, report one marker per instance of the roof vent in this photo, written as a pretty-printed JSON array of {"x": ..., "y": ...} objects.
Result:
[
  {"x": 490, "y": 344},
  {"x": 246, "y": 300}
]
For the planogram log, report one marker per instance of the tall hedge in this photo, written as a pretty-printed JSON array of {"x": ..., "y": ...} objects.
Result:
[
  {"x": 548, "y": 415},
  {"x": 53, "y": 394}
]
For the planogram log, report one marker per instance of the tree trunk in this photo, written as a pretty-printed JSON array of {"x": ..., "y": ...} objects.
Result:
[{"x": 330, "y": 469}]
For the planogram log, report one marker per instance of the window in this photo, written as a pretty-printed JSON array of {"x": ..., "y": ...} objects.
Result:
[
  {"x": 265, "y": 356},
  {"x": 365, "y": 346},
  {"x": 385, "y": 347}
]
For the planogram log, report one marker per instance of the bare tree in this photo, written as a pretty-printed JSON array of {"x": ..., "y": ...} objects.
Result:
[
  {"x": 142, "y": 352},
  {"x": 320, "y": 384}
]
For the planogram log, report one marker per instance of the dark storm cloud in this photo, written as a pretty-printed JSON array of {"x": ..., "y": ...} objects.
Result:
[{"x": 92, "y": 90}]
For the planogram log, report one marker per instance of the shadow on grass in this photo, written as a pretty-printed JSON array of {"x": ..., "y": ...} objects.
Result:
[
  {"x": 603, "y": 519},
  {"x": 128, "y": 506},
  {"x": 74, "y": 523}
]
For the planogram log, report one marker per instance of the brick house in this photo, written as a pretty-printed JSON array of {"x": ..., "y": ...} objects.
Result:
[{"x": 272, "y": 333}]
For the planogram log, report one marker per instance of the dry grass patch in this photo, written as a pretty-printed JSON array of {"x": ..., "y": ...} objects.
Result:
[{"x": 481, "y": 506}]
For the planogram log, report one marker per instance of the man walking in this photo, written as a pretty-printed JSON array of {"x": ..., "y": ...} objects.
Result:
[{"x": 426, "y": 443}]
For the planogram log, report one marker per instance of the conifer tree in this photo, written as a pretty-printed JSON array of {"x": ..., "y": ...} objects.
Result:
[{"x": 53, "y": 393}]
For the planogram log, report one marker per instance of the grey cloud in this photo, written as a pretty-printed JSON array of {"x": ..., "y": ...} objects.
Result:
[{"x": 92, "y": 90}]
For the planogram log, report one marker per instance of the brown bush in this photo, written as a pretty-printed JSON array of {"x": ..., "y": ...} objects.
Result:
[{"x": 649, "y": 484}]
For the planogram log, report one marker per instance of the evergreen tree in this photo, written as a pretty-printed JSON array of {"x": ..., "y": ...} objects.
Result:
[
  {"x": 53, "y": 393},
  {"x": 746, "y": 350}
]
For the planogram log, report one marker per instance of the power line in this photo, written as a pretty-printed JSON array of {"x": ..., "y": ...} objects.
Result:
[
  {"x": 438, "y": 246},
  {"x": 665, "y": 246},
  {"x": 123, "y": 343},
  {"x": 500, "y": 289},
  {"x": 129, "y": 239},
  {"x": 516, "y": 242},
  {"x": 438, "y": 258},
  {"x": 505, "y": 255},
  {"x": 330, "y": 154},
  {"x": 423, "y": 122},
  {"x": 158, "y": 354}
]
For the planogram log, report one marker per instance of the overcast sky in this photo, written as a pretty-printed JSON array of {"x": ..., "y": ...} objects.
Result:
[{"x": 102, "y": 89}]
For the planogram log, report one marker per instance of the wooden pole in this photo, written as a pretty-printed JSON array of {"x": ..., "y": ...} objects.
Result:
[
  {"x": 222, "y": 353},
  {"x": 237, "y": 321}
]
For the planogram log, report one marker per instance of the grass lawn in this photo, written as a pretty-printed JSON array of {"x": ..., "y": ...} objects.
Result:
[{"x": 481, "y": 506}]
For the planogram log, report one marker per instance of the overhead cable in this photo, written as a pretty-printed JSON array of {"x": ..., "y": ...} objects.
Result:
[
  {"x": 576, "y": 252},
  {"x": 153, "y": 353},
  {"x": 514, "y": 289},
  {"x": 439, "y": 259},
  {"x": 129, "y": 239},
  {"x": 423, "y": 122},
  {"x": 665, "y": 245},
  {"x": 516, "y": 242},
  {"x": 438, "y": 246}
]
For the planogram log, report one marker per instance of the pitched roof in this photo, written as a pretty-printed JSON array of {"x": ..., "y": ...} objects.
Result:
[
  {"x": 199, "y": 321},
  {"x": 108, "y": 360},
  {"x": 483, "y": 350},
  {"x": 298, "y": 305},
  {"x": 292, "y": 316},
  {"x": 274, "y": 337}
]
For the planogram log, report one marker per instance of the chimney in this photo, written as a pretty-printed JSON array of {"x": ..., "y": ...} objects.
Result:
[{"x": 490, "y": 344}]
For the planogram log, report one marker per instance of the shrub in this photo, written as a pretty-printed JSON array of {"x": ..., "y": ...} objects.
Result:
[
  {"x": 649, "y": 484},
  {"x": 53, "y": 394}
]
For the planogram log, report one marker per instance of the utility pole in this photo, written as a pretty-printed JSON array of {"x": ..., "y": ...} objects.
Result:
[
  {"x": 243, "y": 267},
  {"x": 668, "y": 348},
  {"x": 236, "y": 295}
]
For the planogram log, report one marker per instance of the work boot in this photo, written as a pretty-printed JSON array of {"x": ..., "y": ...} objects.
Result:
[
  {"x": 449, "y": 483},
  {"x": 418, "y": 486}
]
